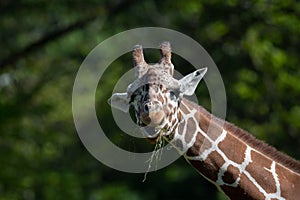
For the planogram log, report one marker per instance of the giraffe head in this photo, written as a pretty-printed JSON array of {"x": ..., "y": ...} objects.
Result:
[{"x": 155, "y": 94}]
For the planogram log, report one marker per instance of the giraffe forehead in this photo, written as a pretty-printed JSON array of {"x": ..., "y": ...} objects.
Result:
[
  {"x": 156, "y": 75},
  {"x": 156, "y": 91}
]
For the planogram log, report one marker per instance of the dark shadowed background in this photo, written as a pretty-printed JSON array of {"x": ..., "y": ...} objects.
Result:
[{"x": 42, "y": 44}]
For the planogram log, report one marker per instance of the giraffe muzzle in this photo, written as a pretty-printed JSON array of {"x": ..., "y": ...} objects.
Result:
[{"x": 152, "y": 114}]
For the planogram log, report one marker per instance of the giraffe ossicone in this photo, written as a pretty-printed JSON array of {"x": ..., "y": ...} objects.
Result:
[{"x": 231, "y": 158}]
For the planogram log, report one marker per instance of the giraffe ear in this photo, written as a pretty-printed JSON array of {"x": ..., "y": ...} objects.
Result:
[
  {"x": 189, "y": 83},
  {"x": 119, "y": 101}
]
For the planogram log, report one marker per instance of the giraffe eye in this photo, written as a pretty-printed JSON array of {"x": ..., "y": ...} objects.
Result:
[
  {"x": 172, "y": 95},
  {"x": 132, "y": 98}
]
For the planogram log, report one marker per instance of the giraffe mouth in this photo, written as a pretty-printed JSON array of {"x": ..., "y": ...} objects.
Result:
[{"x": 151, "y": 132}]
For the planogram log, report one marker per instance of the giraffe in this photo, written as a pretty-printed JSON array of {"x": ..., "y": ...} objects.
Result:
[{"x": 237, "y": 163}]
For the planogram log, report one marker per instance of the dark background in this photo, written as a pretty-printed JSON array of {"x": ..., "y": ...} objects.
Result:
[{"x": 255, "y": 45}]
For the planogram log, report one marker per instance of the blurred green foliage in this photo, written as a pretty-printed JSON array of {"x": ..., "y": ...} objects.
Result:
[{"x": 255, "y": 44}]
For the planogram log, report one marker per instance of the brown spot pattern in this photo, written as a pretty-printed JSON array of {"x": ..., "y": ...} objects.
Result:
[
  {"x": 203, "y": 122},
  {"x": 161, "y": 99},
  {"x": 289, "y": 182},
  {"x": 231, "y": 175},
  {"x": 180, "y": 128},
  {"x": 170, "y": 118},
  {"x": 233, "y": 149},
  {"x": 184, "y": 109},
  {"x": 178, "y": 144},
  {"x": 214, "y": 131},
  {"x": 210, "y": 167},
  {"x": 245, "y": 190},
  {"x": 192, "y": 130},
  {"x": 258, "y": 170},
  {"x": 200, "y": 145}
]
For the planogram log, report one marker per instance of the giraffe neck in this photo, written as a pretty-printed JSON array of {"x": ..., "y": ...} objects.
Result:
[{"x": 238, "y": 164}]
